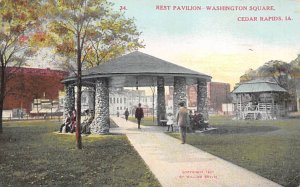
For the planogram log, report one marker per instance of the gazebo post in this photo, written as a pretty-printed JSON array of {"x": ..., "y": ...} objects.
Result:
[
  {"x": 273, "y": 107},
  {"x": 161, "y": 103},
  {"x": 241, "y": 107},
  {"x": 69, "y": 100},
  {"x": 236, "y": 105},
  {"x": 101, "y": 123},
  {"x": 202, "y": 98},
  {"x": 179, "y": 93}
]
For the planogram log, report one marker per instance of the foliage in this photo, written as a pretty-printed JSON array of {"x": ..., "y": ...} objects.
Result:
[
  {"x": 103, "y": 33},
  {"x": 32, "y": 155},
  {"x": 19, "y": 21},
  {"x": 278, "y": 70},
  {"x": 295, "y": 67}
]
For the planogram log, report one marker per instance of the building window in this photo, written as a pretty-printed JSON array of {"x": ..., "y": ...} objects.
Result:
[
  {"x": 120, "y": 108},
  {"x": 114, "y": 100},
  {"x": 125, "y": 100},
  {"x": 117, "y": 108},
  {"x": 121, "y": 101},
  {"x": 117, "y": 100}
]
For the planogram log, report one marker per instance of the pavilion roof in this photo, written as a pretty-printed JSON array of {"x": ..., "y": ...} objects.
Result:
[
  {"x": 141, "y": 65},
  {"x": 138, "y": 62},
  {"x": 259, "y": 86}
]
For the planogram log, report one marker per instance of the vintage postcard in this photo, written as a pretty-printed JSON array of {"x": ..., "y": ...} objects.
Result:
[{"x": 166, "y": 93}]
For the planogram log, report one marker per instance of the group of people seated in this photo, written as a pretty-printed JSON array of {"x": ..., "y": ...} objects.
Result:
[
  {"x": 69, "y": 124},
  {"x": 197, "y": 121}
]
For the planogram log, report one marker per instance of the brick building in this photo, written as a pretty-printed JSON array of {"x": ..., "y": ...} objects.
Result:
[
  {"x": 28, "y": 84},
  {"x": 217, "y": 93}
]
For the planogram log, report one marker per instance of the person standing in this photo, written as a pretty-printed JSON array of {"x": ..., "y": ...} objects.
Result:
[
  {"x": 126, "y": 114},
  {"x": 170, "y": 121},
  {"x": 139, "y": 114},
  {"x": 182, "y": 118}
]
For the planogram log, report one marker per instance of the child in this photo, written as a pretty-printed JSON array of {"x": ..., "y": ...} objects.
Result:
[{"x": 170, "y": 121}]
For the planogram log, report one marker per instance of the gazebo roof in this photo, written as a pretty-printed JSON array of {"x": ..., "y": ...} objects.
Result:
[
  {"x": 259, "y": 86},
  {"x": 139, "y": 67}
]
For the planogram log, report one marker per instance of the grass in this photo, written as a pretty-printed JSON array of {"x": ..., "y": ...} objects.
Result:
[
  {"x": 32, "y": 155},
  {"x": 146, "y": 121},
  {"x": 268, "y": 148}
]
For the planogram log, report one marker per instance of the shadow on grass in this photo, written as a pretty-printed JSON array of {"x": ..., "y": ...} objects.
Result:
[{"x": 32, "y": 154}]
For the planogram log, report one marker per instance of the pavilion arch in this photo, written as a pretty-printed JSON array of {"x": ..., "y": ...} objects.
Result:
[{"x": 132, "y": 70}]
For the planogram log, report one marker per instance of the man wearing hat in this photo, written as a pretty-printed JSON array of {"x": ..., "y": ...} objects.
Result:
[
  {"x": 139, "y": 114},
  {"x": 182, "y": 118}
]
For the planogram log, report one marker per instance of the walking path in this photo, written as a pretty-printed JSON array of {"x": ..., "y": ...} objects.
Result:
[{"x": 179, "y": 165}]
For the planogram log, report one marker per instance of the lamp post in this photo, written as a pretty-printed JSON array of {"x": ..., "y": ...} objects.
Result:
[
  {"x": 37, "y": 105},
  {"x": 51, "y": 108},
  {"x": 153, "y": 92}
]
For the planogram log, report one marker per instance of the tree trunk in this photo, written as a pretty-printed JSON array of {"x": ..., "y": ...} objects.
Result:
[
  {"x": 78, "y": 115},
  {"x": 1, "y": 110},
  {"x": 2, "y": 91}
]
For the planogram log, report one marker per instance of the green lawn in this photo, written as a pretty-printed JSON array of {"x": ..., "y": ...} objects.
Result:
[
  {"x": 146, "y": 121},
  {"x": 269, "y": 148},
  {"x": 32, "y": 155}
]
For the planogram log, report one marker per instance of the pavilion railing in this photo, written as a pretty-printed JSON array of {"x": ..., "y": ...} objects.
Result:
[{"x": 264, "y": 111}]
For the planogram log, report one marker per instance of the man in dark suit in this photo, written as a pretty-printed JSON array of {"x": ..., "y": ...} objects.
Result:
[{"x": 139, "y": 114}]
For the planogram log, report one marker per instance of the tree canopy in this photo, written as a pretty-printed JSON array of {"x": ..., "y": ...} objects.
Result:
[
  {"x": 19, "y": 22},
  {"x": 103, "y": 32}
]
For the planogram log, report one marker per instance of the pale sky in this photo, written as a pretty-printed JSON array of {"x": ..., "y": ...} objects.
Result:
[{"x": 214, "y": 42}]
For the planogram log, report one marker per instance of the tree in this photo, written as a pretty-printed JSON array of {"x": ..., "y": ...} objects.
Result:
[
  {"x": 248, "y": 76},
  {"x": 280, "y": 71},
  {"x": 295, "y": 67},
  {"x": 88, "y": 32},
  {"x": 18, "y": 20}
]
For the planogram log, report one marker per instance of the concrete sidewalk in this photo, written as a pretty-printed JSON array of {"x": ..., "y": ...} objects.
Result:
[{"x": 178, "y": 165}]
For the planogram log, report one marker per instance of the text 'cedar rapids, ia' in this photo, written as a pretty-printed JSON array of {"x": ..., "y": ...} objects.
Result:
[{"x": 264, "y": 18}]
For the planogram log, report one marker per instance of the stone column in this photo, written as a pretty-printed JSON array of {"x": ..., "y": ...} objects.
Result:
[
  {"x": 69, "y": 100},
  {"x": 101, "y": 123},
  {"x": 161, "y": 103},
  {"x": 179, "y": 93},
  {"x": 202, "y": 98}
]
